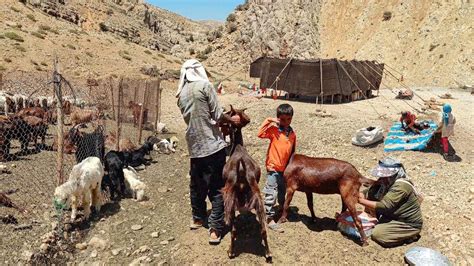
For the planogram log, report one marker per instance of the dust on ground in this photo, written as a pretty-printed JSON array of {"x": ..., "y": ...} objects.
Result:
[{"x": 163, "y": 220}]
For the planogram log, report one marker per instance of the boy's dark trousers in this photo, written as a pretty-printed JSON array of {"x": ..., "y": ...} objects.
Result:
[{"x": 207, "y": 181}]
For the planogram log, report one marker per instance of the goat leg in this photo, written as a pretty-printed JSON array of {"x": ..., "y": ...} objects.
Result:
[
  {"x": 358, "y": 223},
  {"x": 233, "y": 236},
  {"x": 289, "y": 196},
  {"x": 309, "y": 199}
]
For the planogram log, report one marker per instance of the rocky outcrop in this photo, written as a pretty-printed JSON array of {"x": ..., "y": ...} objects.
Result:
[
  {"x": 57, "y": 9},
  {"x": 429, "y": 42}
]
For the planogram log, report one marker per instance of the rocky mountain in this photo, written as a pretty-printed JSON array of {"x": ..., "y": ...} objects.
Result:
[
  {"x": 430, "y": 42},
  {"x": 95, "y": 38}
]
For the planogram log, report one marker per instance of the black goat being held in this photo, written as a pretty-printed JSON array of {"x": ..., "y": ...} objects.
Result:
[
  {"x": 242, "y": 174},
  {"x": 114, "y": 164}
]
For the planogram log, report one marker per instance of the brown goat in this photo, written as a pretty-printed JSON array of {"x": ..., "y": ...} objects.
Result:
[
  {"x": 38, "y": 129},
  {"x": 136, "y": 110},
  {"x": 82, "y": 116},
  {"x": 32, "y": 111},
  {"x": 324, "y": 176},
  {"x": 242, "y": 174}
]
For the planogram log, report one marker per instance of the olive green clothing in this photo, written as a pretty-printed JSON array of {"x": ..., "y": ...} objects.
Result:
[
  {"x": 400, "y": 204},
  {"x": 394, "y": 233}
]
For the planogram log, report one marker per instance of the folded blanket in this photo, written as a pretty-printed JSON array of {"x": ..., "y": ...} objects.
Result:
[{"x": 399, "y": 140}]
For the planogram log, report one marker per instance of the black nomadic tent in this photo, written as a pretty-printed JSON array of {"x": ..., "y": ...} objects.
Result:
[{"x": 323, "y": 78}]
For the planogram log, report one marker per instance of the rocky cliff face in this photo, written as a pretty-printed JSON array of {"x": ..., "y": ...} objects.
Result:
[
  {"x": 132, "y": 20},
  {"x": 430, "y": 42}
]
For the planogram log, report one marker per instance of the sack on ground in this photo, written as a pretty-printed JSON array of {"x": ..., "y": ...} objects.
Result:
[
  {"x": 346, "y": 225},
  {"x": 368, "y": 136}
]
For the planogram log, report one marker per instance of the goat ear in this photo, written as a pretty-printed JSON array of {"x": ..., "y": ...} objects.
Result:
[
  {"x": 232, "y": 108},
  {"x": 243, "y": 110}
]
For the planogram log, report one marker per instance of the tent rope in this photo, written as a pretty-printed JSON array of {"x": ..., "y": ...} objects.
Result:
[
  {"x": 349, "y": 76},
  {"x": 278, "y": 77}
]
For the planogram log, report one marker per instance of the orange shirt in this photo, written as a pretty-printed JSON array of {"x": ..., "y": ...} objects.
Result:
[{"x": 282, "y": 144}]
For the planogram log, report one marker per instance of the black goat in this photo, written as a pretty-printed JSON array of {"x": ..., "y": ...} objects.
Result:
[
  {"x": 18, "y": 129},
  {"x": 88, "y": 144},
  {"x": 137, "y": 157},
  {"x": 114, "y": 164}
]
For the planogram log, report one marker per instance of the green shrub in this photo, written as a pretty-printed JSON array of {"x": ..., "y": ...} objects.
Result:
[
  {"x": 125, "y": 55},
  {"x": 8, "y": 60},
  {"x": 201, "y": 56},
  {"x": 38, "y": 35},
  {"x": 13, "y": 36},
  {"x": 89, "y": 54},
  {"x": 44, "y": 64},
  {"x": 387, "y": 15},
  {"x": 192, "y": 51},
  {"x": 20, "y": 48},
  {"x": 44, "y": 27},
  {"x": 177, "y": 61},
  {"x": 34, "y": 62},
  {"x": 38, "y": 68},
  {"x": 147, "y": 52},
  {"x": 14, "y": 9},
  {"x": 208, "y": 50},
  {"x": 70, "y": 46},
  {"x": 55, "y": 31},
  {"x": 103, "y": 27},
  {"x": 231, "y": 27},
  {"x": 2, "y": 68},
  {"x": 31, "y": 17},
  {"x": 161, "y": 55},
  {"x": 231, "y": 17}
]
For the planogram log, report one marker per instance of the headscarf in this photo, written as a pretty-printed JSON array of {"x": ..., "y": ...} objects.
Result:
[
  {"x": 192, "y": 70},
  {"x": 446, "y": 111}
]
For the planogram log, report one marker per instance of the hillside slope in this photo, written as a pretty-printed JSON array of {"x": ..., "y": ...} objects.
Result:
[
  {"x": 430, "y": 42},
  {"x": 94, "y": 38}
]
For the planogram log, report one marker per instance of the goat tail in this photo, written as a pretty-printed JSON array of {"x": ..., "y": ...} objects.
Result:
[{"x": 229, "y": 202}]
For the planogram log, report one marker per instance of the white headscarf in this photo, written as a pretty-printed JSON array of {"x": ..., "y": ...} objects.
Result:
[{"x": 192, "y": 70}]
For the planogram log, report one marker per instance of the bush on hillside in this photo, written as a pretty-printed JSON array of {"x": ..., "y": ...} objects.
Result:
[
  {"x": 232, "y": 27},
  {"x": 31, "y": 17},
  {"x": 387, "y": 15},
  {"x": 13, "y": 36},
  {"x": 231, "y": 17}
]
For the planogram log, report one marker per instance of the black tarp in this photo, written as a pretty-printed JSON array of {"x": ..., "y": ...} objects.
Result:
[{"x": 302, "y": 77}]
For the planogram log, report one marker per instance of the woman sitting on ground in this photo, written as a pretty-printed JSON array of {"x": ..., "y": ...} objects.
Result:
[{"x": 409, "y": 123}]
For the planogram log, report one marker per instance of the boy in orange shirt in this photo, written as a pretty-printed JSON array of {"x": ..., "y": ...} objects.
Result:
[{"x": 282, "y": 146}]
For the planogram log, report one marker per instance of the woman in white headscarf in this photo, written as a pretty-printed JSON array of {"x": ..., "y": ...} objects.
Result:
[{"x": 197, "y": 100}]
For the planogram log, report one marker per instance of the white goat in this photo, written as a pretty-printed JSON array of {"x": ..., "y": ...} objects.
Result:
[
  {"x": 84, "y": 182},
  {"x": 133, "y": 184},
  {"x": 166, "y": 145}
]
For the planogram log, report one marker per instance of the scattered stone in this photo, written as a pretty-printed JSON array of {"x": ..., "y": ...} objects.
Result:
[
  {"x": 44, "y": 247},
  {"x": 27, "y": 255},
  {"x": 98, "y": 243},
  {"x": 138, "y": 261},
  {"x": 81, "y": 246},
  {"x": 94, "y": 254},
  {"x": 102, "y": 219},
  {"x": 155, "y": 234},
  {"x": 137, "y": 227},
  {"x": 116, "y": 251},
  {"x": 170, "y": 238},
  {"x": 164, "y": 242},
  {"x": 162, "y": 189}
]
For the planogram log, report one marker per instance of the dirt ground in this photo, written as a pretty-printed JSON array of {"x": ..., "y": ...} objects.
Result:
[{"x": 163, "y": 219}]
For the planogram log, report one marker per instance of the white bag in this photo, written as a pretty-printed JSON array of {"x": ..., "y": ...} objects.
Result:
[{"x": 368, "y": 136}]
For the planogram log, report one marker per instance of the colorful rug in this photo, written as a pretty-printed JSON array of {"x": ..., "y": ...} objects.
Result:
[{"x": 399, "y": 140}]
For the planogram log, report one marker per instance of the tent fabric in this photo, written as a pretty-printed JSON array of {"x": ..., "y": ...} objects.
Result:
[
  {"x": 303, "y": 77},
  {"x": 399, "y": 140}
]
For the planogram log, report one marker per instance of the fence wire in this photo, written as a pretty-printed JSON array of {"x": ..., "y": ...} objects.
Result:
[{"x": 29, "y": 156}]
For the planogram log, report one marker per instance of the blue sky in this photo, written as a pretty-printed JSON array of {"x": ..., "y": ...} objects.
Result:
[{"x": 199, "y": 9}]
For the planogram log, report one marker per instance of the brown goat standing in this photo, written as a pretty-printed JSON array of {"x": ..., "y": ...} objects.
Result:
[
  {"x": 242, "y": 174},
  {"x": 324, "y": 176},
  {"x": 136, "y": 110}
]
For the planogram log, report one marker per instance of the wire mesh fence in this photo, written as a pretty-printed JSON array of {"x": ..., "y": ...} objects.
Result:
[{"x": 48, "y": 124}]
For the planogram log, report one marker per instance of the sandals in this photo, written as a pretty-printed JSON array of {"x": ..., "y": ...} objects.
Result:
[
  {"x": 214, "y": 240},
  {"x": 275, "y": 227}
]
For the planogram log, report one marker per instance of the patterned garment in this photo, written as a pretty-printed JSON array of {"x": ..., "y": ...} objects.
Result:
[{"x": 201, "y": 111}]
